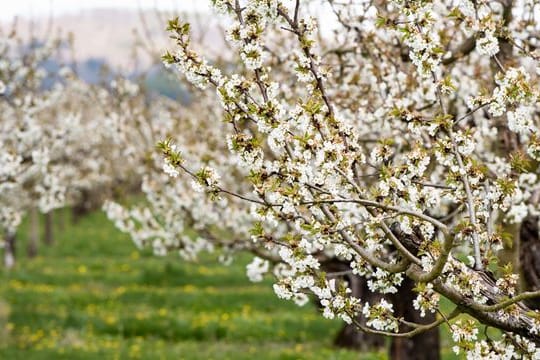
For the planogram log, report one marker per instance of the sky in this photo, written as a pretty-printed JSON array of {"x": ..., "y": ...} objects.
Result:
[{"x": 42, "y": 8}]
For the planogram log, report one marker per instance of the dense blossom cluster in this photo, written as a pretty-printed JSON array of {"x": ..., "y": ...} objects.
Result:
[{"x": 381, "y": 147}]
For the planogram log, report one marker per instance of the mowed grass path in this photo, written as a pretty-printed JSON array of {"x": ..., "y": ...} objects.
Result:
[{"x": 93, "y": 296}]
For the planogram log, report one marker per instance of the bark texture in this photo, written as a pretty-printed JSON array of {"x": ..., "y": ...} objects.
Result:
[
  {"x": 9, "y": 250},
  {"x": 519, "y": 321},
  {"x": 33, "y": 239},
  {"x": 529, "y": 257},
  {"x": 48, "y": 236}
]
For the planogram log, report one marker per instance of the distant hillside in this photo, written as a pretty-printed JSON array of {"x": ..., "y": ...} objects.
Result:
[{"x": 108, "y": 36}]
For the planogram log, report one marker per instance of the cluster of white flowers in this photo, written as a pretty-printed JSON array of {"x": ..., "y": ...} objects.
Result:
[
  {"x": 380, "y": 316},
  {"x": 488, "y": 44},
  {"x": 495, "y": 350},
  {"x": 169, "y": 169},
  {"x": 207, "y": 179},
  {"x": 10, "y": 165},
  {"x": 252, "y": 55},
  {"x": 52, "y": 193},
  {"x": 533, "y": 150},
  {"x": 508, "y": 347},
  {"x": 513, "y": 88},
  {"x": 338, "y": 305},
  {"x": 10, "y": 218},
  {"x": 424, "y": 42},
  {"x": 427, "y": 300},
  {"x": 508, "y": 284},
  {"x": 256, "y": 269},
  {"x": 520, "y": 120},
  {"x": 463, "y": 333},
  {"x": 222, "y": 6},
  {"x": 469, "y": 284},
  {"x": 385, "y": 282}
]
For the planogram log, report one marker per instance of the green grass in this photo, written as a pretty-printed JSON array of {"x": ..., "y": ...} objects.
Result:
[{"x": 93, "y": 296}]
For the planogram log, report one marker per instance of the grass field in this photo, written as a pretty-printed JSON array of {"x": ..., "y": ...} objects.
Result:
[{"x": 93, "y": 296}]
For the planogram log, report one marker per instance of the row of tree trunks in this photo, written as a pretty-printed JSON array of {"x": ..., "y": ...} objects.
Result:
[
  {"x": 88, "y": 202},
  {"x": 48, "y": 237}
]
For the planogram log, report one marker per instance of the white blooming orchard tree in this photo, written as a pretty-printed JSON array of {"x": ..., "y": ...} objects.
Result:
[
  {"x": 405, "y": 145},
  {"x": 177, "y": 205},
  {"x": 61, "y": 142},
  {"x": 27, "y": 177}
]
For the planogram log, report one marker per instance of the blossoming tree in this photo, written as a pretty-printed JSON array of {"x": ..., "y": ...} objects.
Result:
[
  {"x": 60, "y": 142},
  {"x": 405, "y": 146},
  {"x": 401, "y": 143},
  {"x": 26, "y": 175}
]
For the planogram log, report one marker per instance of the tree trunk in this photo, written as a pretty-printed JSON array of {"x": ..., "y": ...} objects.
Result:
[
  {"x": 424, "y": 346},
  {"x": 33, "y": 238},
  {"x": 350, "y": 337},
  {"x": 60, "y": 216},
  {"x": 49, "y": 229},
  {"x": 529, "y": 235},
  {"x": 9, "y": 250},
  {"x": 87, "y": 203}
]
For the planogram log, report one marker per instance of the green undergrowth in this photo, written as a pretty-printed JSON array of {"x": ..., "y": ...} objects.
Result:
[{"x": 92, "y": 295}]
